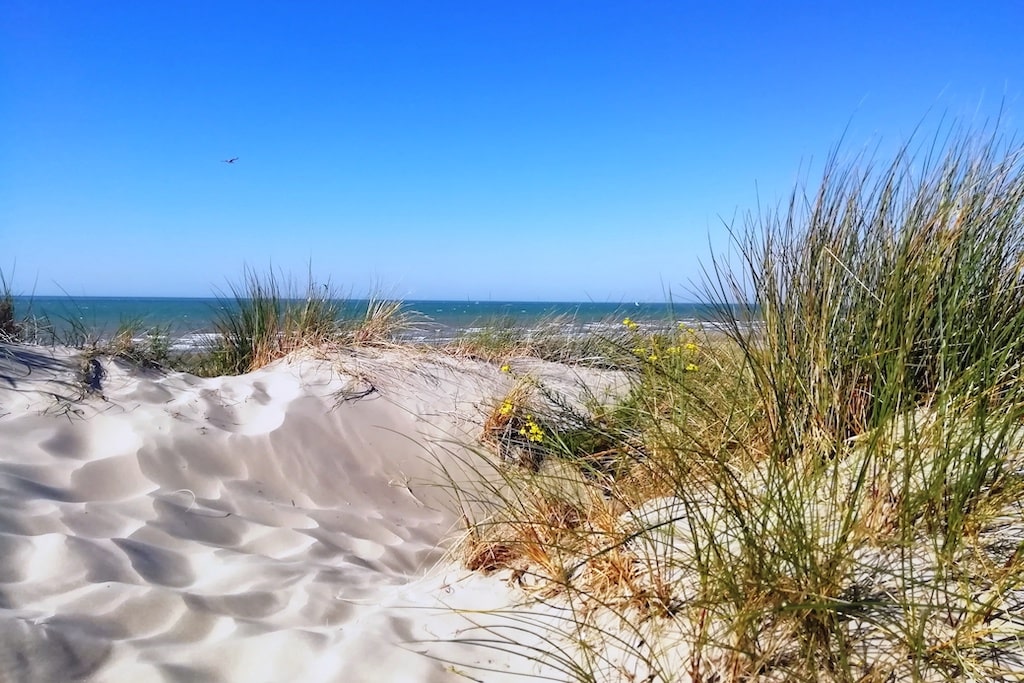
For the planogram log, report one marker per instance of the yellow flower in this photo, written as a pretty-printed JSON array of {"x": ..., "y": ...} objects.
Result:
[
  {"x": 506, "y": 408},
  {"x": 630, "y": 324},
  {"x": 639, "y": 351},
  {"x": 506, "y": 368},
  {"x": 531, "y": 430},
  {"x": 690, "y": 367},
  {"x": 690, "y": 346},
  {"x": 653, "y": 357},
  {"x": 672, "y": 350}
]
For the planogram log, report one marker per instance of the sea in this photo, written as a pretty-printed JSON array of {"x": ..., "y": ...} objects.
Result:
[{"x": 190, "y": 321}]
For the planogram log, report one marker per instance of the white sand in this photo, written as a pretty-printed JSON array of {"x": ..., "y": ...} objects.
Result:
[{"x": 253, "y": 528}]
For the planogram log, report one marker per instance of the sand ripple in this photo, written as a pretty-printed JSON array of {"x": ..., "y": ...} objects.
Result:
[{"x": 253, "y": 528}]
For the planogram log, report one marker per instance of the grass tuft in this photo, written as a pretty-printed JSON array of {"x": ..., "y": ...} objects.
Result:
[
  {"x": 264, "y": 319},
  {"x": 558, "y": 338},
  {"x": 9, "y": 328},
  {"x": 382, "y": 323}
]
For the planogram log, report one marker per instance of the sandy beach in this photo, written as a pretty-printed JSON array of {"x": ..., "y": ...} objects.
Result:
[
  {"x": 304, "y": 522},
  {"x": 291, "y": 524}
]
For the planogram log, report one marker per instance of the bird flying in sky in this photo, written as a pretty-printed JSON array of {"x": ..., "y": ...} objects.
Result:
[{"x": 230, "y": 161}]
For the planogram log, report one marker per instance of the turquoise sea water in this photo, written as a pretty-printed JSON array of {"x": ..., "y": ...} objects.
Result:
[{"x": 190, "y": 319}]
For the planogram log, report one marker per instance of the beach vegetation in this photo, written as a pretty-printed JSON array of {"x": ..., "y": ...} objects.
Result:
[
  {"x": 265, "y": 317},
  {"x": 383, "y": 321},
  {"x": 825, "y": 486},
  {"x": 8, "y": 323},
  {"x": 21, "y": 326},
  {"x": 554, "y": 338},
  {"x": 268, "y": 316},
  {"x": 133, "y": 340}
]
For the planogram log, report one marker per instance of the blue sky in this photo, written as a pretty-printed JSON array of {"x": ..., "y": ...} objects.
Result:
[{"x": 548, "y": 150}]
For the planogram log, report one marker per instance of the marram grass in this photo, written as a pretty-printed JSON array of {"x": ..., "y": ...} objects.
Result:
[
  {"x": 830, "y": 488},
  {"x": 263, "y": 318},
  {"x": 267, "y": 317}
]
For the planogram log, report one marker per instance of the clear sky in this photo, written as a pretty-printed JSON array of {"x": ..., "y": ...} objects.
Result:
[{"x": 548, "y": 150}]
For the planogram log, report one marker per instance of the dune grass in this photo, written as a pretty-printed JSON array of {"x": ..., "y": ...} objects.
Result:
[
  {"x": 556, "y": 338},
  {"x": 132, "y": 340},
  {"x": 21, "y": 326},
  {"x": 264, "y": 317},
  {"x": 8, "y": 321},
  {"x": 382, "y": 321},
  {"x": 267, "y": 317},
  {"x": 831, "y": 488}
]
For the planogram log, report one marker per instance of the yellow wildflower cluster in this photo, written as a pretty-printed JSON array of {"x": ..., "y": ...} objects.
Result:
[
  {"x": 690, "y": 347},
  {"x": 506, "y": 409},
  {"x": 652, "y": 348},
  {"x": 532, "y": 431},
  {"x": 506, "y": 368}
]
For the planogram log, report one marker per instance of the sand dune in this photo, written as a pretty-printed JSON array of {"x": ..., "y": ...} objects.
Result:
[{"x": 286, "y": 525}]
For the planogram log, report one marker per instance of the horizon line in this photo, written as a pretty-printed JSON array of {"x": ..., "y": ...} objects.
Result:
[{"x": 470, "y": 300}]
